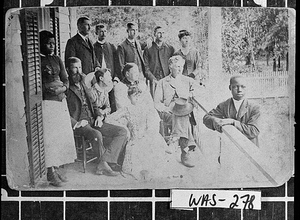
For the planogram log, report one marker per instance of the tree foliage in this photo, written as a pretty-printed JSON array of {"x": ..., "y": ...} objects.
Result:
[
  {"x": 173, "y": 19},
  {"x": 253, "y": 34}
]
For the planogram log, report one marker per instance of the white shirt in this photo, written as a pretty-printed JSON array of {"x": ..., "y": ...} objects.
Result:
[
  {"x": 237, "y": 104},
  {"x": 103, "y": 63},
  {"x": 85, "y": 38}
]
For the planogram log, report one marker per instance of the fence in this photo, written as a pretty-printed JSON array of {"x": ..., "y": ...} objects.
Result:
[{"x": 268, "y": 84}]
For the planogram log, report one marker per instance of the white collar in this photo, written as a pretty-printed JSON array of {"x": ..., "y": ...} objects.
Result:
[
  {"x": 237, "y": 104},
  {"x": 185, "y": 51},
  {"x": 131, "y": 41},
  {"x": 78, "y": 85},
  {"x": 101, "y": 42},
  {"x": 43, "y": 55},
  {"x": 83, "y": 37}
]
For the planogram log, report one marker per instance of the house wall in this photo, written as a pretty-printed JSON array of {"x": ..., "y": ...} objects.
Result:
[{"x": 17, "y": 167}]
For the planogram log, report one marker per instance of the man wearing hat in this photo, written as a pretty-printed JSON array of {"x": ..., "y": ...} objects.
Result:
[
  {"x": 172, "y": 99},
  {"x": 130, "y": 51},
  {"x": 192, "y": 67}
]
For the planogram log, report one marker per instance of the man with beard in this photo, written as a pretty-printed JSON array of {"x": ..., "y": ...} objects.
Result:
[
  {"x": 87, "y": 120},
  {"x": 106, "y": 54},
  {"x": 156, "y": 57},
  {"x": 81, "y": 46}
]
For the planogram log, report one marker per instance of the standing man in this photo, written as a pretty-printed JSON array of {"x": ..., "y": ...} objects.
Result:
[
  {"x": 156, "y": 57},
  {"x": 192, "y": 67},
  {"x": 172, "y": 93},
  {"x": 237, "y": 111},
  {"x": 80, "y": 46},
  {"x": 87, "y": 120},
  {"x": 130, "y": 51},
  {"x": 106, "y": 54}
]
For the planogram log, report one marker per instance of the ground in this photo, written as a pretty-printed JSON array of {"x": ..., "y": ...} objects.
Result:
[{"x": 234, "y": 169}]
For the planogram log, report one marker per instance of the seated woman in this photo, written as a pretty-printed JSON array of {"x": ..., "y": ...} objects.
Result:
[{"x": 146, "y": 149}]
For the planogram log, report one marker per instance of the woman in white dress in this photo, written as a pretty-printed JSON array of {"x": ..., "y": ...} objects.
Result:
[{"x": 145, "y": 157}]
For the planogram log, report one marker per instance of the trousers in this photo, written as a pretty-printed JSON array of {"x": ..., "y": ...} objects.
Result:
[{"x": 108, "y": 141}]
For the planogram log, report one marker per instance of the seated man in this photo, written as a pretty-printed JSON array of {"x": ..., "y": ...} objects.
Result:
[
  {"x": 171, "y": 90},
  {"x": 237, "y": 111},
  {"x": 86, "y": 119}
]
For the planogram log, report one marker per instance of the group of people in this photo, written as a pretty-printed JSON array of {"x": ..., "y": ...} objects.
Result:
[{"x": 117, "y": 98}]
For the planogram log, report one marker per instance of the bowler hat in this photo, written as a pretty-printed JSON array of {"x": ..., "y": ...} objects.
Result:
[{"x": 182, "y": 107}]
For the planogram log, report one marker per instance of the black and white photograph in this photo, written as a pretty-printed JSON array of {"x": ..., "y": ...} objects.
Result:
[{"x": 104, "y": 98}]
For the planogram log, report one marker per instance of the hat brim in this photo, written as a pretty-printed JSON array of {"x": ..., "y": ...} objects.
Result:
[
  {"x": 88, "y": 79},
  {"x": 183, "y": 111}
]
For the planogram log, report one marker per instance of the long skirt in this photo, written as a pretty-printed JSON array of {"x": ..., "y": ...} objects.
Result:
[
  {"x": 146, "y": 159},
  {"x": 58, "y": 134}
]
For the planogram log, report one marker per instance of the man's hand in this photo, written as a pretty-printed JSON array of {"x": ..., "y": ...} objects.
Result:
[
  {"x": 99, "y": 122},
  {"x": 219, "y": 123},
  {"x": 58, "y": 90},
  {"x": 81, "y": 123},
  {"x": 168, "y": 109}
]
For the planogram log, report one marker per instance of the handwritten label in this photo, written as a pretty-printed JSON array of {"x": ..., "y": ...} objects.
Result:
[{"x": 232, "y": 199}]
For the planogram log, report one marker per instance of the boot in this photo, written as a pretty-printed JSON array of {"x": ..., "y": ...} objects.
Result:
[
  {"x": 186, "y": 159},
  {"x": 53, "y": 178},
  {"x": 104, "y": 169}
]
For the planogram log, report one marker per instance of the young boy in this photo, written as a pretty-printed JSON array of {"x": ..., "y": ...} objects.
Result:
[{"x": 237, "y": 111}]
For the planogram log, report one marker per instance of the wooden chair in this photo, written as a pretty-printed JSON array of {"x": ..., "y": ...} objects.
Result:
[{"x": 83, "y": 147}]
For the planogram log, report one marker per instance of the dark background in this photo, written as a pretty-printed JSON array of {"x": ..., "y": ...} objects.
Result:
[{"x": 20, "y": 204}]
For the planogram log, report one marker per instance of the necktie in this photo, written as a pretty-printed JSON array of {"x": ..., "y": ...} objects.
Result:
[{"x": 87, "y": 41}]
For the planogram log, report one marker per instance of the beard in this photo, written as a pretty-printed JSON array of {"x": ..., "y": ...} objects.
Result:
[{"x": 75, "y": 79}]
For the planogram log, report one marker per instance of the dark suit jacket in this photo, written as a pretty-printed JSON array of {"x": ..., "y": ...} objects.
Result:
[
  {"x": 156, "y": 56},
  {"x": 247, "y": 117},
  {"x": 126, "y": 54},
  {"x": 110, "y": 55},
  {"x": 75, "y": 103},
  {"x": 77, "y": 47}
]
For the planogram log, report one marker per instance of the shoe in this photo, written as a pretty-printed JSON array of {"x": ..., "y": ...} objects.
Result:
[
  {"x": 186, "y": 159},
  {"x": 192, "y": 147},
  {"x": 104, "y": 169},
  {"x": 53, "y": 178},
  {"x": 61, "y": 175},
  {"x": 115, "y": 167}
]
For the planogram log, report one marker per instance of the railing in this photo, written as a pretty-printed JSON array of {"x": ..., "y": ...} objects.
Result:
[{"x": 267, "y": 84}]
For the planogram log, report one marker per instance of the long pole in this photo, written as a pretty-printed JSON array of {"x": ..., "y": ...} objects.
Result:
[{"x": 228, "y": 133}]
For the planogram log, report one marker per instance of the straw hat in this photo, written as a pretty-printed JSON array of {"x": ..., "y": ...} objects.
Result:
[
  {"x": 182, "y": 107},
  {"x": 90, "y": 79}
]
